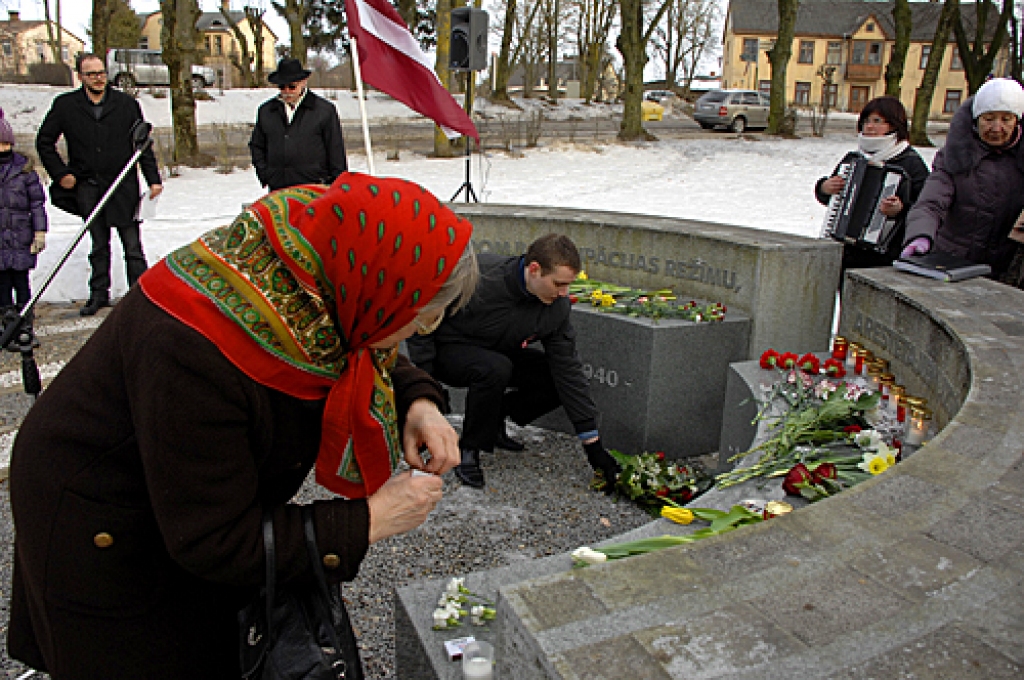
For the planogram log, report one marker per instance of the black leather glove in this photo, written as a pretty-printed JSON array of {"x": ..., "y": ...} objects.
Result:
[{"x": 602, "y": 460}]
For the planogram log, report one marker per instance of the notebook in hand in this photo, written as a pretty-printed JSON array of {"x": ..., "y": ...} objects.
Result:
[{"x": 942, "y": 266}]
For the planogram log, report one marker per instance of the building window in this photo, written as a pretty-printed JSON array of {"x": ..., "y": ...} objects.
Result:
[
  {"x": 144, "y": 42},
  {"x": 209, "y": 45},
  {"x": 952, "y": 102},
  {"x": 750, "y": 46},
  {"x": 64, "y": 54},
  {"x": 955, "y": 63},
  {"x": 764, "y": 87},
  {"x": 875, "y": 53},
  {"x": 870, "y": 28},
  {"x": 806, "y": 52},
  {"x": 835, "y": 53},
  {"x": 830, "y": 95},
  {"x": 8, "y": 48},
  {"x": 926, "y": 50},
  {"x": 218, "y": 45},
  {"x": 803, "y": 93}
]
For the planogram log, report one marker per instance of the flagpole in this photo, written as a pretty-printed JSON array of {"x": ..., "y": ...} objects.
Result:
[{"x": 362, "y": 104}]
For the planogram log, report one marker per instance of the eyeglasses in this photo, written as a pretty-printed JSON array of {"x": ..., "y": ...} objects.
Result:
[
  {"x": 289, "y": 86},
  {"x": 94, "y": 74},
  {"x": 427, "y": 329}
]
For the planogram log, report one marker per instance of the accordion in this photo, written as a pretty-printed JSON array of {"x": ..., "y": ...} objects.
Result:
[{"x": 853, "y": 215}]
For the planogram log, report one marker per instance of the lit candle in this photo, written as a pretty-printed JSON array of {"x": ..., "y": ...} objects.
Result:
[
  {"x": 896, "y": 393},
  {"x": 839, "y": 348},
  {"x": 477, "y": 668},
  {"x": 886, "y": 380},
  {"x": 875, "y": 376},
  {"x": 858, "y": 362},
  {"x": 851, "y": 354},
  {"x": 917, "y": 426}
]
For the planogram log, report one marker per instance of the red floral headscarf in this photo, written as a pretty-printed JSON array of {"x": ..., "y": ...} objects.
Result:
[{"x": 296, "y": 290}]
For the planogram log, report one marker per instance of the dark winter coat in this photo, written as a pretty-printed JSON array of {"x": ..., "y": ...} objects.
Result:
[
  {"x": 22, "y": 213},
  {"x": 138, "y": 481},
  {"x": 972, "y": 198},
  {"x": 98, "y": 149},
  {"x": 503, "y": 316},
  {"x": 909, "y": 161},
  {"x": 309, "y": 150}
]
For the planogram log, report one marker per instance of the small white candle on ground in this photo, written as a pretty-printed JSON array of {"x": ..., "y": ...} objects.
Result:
[{"x": 477, "y": 668}]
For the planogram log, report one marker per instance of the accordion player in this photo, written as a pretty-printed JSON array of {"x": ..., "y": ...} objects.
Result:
[{"x": 855, "y": 215}]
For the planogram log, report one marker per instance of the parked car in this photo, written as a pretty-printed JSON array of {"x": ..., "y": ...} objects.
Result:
[
  {"x": 127, "y": 68},
  {"x": 650, "y": 110},
  {"x": 735, "y": 109},
  {"x": 658, "y": 95}
]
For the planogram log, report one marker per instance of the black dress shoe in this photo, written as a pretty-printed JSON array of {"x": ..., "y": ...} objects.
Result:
[
  {"x": 505, "y": 442},
  {"x": 468, "y": 471},
  {"x": 94, "y": 305}
]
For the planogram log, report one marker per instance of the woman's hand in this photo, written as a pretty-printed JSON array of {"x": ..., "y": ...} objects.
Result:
[
  {"x": 402, "y": 504},
  {"x": 891, "y": 207},
  {"x": 833, "y": 185},
  {"x": 426, "y": 426}
]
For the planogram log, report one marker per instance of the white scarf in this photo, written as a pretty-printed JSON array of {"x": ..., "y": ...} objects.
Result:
[{"x": 880, "y": 149}]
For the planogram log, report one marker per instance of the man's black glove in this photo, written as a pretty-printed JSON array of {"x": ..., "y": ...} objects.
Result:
[{"x": 603, "y": 461}]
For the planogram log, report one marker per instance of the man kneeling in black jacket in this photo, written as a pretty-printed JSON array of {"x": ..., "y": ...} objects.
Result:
[{"x": 485, "y": 348}]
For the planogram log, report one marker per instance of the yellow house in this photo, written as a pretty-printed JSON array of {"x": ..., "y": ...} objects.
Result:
[
  {"x": 219, "y": 41},
  {"x": 851, "y": 40},
  {"x": 28, "y": 42}
]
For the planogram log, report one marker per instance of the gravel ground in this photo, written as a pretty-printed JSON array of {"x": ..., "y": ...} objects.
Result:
[{"x": 536, "y": 503}]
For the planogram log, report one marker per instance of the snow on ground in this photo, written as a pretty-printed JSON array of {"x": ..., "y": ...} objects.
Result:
[
  {"x": 762, "y": 183},
  {"x": 26, "y": 105}
]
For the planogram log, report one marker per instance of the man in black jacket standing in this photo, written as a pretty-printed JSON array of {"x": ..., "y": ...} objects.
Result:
[
  {"x": 297, "y": 138},
  {"x": 485, "y": 347},
  {"x": 96, "y": 122}
]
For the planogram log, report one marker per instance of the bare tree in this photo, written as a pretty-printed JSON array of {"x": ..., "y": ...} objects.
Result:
[
  {"x": 1016, "y": 53},
  {"x": 903, "y": 22},
  {"x": 552, "y": 22},
  {"x": 254, "y": 16},
  {"x": 294, "y": 12},
  {"x": 923, "y": 99},
  {"x": 632, "y": 45},
  {"x": 54, "y": 41},
  {"x": 518, "y": 24},
  {"x": 979, "y": 55},
  {"x": 442, "y": 146},
  {"x": 180, "y": 40},
  {"x": 100, "y": 21},
  {"x": 779, "y": 56},
  {"x": 594, "y": 20},
  {"x": 684, "y": 37},
  {"x": 242, "y": 61}
]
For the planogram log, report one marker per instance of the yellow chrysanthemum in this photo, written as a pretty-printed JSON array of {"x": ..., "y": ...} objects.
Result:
[
  {"x": 607, "y": 301},
  {"x": 877, "y": 465},
  {"x": 890, "y": 459},
  {"x": 582, "y": 276}
]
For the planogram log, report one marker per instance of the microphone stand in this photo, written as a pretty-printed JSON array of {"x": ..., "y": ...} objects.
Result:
[
  {"x": 467, "y": 186},
  {"x": 18, "y": 335}
]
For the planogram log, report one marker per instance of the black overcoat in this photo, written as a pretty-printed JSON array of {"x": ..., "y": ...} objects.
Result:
[
  {"x": 309, "y": 150},
  {"x": 98, "y": 149},
  {"x": 138, "y": 482}
]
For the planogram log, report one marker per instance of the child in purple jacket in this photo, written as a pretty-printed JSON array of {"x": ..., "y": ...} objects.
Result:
[{"x": 22, "y": 220}]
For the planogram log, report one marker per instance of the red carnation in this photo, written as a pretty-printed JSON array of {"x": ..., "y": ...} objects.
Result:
[
  {"x": 573, "y": 299},
  {"x": 770, "y": 359},
  {"x": 788, "y": 360},
  {"x": 810, "y": 364},
  {"x": 662, "y": 492},
  {"x": 795, "y": 478},
  {"x": 660, "y": 455},
  {"x": 835, "y": 368},
  {"x": 684, "y": 495},
  {"x": 824, "y": 471},
  {"x": 852, "y": 429}
]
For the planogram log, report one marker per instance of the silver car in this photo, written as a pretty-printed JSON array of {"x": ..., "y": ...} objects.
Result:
[
  {"x": 735, "y": 109},
  {"x": 128, "y": 68}
]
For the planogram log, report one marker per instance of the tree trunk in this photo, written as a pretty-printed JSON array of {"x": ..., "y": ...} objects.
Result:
[
  {"x": 1016, "y": 57},
  {"x": 442, "y": 146},
  {"x": 100, "y": 21},
  {"x": 553, "y": 52},
  {"x": 902, "y": 19},
  {"x": 502, "y": 68},
  {"x": 294, "y": 12},
  {"x": 779, "y": 59},
  {"x": 255, "y": 18},
  {"x": 632, "y": 45},
  {"x": 243, "y": 61},
  {"x": 407, "y": 10},
  {"x": 53, "y": 41},
  {"x": 923, "y": 98},
  {"x": 178, "y": 38},
  {"x": 976, "y": 60}
]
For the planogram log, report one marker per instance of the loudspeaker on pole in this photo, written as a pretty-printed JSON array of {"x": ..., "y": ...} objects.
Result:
[{"x": 468, "y": 39}]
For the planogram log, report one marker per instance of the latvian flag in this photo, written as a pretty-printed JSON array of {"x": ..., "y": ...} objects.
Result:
[{"x": 392, "y": 61}]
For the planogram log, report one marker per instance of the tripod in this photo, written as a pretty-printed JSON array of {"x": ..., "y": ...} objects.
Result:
[
  {"x": 467, "y": 186},
  {"x": 18, "y": 335}
]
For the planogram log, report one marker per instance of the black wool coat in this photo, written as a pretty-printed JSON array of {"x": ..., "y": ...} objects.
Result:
[
  {"x": 309, "y": 150},
  {"x": 909, "y": 161},
  {"x": 138, "y": 483},
  {"x": 97, "y": 149}
]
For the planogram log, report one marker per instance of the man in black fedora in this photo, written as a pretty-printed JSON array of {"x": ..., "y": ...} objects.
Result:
[{"x": 297, "y": 138}]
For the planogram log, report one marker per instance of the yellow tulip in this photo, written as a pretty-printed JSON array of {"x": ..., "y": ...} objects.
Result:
[{"x": 677, "y": 515}]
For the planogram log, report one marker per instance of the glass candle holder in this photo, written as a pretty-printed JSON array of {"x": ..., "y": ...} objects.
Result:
[
  {"x": 918, "y": 425},
  {"x": 915, "y": 402},
  {"x": 883, "y": 364},
  {"x": 839, "y": 348},
  {"x": 874, "y": 376},
  {"x": 851, "y": 354},
  {"x": 896, "y": 405},
  {"x": 887, "y": 380}
]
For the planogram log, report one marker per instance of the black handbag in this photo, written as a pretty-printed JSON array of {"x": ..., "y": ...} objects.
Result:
[{"x": 300, "y": 631}]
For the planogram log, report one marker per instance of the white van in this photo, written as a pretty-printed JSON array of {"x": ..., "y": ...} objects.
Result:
[{"x": 127, "y": 68}]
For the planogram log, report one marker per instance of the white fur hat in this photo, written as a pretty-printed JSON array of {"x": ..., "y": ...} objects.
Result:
[{"x": 999, "y": 94}]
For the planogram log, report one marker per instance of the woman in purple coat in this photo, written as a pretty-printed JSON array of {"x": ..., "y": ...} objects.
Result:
[{"x": 22, "y": 220}]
